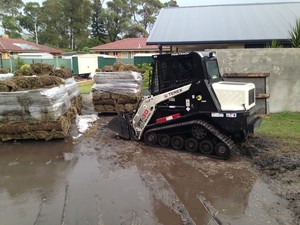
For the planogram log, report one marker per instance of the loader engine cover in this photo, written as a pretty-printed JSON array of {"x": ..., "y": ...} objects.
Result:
[{"x": 235, "y": 96}]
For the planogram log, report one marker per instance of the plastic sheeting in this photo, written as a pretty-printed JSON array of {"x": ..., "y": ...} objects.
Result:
[
  {"x": 72, "y": 87},
  {"x": 38, "y": 105},
  {"x": 124, "y": 83},
  {"x": 117, "y": 77},
  {"x": 43, "y": 113},
  {"x": 6, "y": 76}
]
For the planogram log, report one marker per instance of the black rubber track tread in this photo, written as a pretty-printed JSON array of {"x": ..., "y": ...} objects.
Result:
[{"x": 222, "y": 137}]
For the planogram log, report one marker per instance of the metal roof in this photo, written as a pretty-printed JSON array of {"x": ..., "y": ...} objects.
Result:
[{"x": 219, "y": 24}]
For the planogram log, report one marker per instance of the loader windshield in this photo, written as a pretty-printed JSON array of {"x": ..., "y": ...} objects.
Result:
[{"x": 212, "y": 69}]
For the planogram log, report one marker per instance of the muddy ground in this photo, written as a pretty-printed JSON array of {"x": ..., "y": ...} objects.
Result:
[
  {"x": 279, "y": 166},
  {"x": 100, "y": 179}
]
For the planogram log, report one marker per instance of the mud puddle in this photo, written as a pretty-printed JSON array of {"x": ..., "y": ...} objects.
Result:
[{"x": 100, "y": 179}]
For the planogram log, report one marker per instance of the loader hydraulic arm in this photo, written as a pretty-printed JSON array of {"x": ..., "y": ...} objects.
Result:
[{"x": 148, "y": 107}]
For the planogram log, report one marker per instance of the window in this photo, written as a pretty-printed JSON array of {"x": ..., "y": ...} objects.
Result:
[{"x": 212, "y": 69}]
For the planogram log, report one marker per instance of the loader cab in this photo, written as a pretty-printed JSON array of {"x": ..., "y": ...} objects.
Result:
[
  {"x": 170, "y": 71},
  {"x": 211, "y": 66}
]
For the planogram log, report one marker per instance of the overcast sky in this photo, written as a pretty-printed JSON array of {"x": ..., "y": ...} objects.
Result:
[{"x": 204, "y": 2}]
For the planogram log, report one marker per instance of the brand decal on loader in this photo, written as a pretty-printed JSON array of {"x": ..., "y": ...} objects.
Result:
[
  {"x": 145, "y": 113},
  {"x": 143, "y": 118},
  {"x": 172, "y": 93}
]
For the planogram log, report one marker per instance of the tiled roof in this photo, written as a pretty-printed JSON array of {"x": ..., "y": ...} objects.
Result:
[
  {"x": 127, "y": 44},
  {"x": 19, "y": 45}
]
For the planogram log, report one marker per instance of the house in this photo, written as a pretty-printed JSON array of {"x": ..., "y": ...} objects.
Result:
[
  {"x": 11, "y": 46},
  {"x": 251, "y": 25},
  {"x": 126, "y": 48}
]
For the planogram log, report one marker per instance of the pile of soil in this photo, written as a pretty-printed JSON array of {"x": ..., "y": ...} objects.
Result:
[
  {"x": 279, "y": 166},
  {"x": 116, "y": 91}
]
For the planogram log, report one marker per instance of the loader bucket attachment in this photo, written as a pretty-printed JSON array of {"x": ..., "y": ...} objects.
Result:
[{"x": 121, "y": 126}]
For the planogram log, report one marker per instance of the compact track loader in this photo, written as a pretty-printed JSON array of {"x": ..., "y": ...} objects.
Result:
[{"x": 191, "y": 107}]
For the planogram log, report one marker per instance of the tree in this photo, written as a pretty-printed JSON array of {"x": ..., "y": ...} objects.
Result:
[
  {"x": 116, "y": 19},
  {"x": 148, "y": 10},
  {"x": 11, "y": 26},
  {"x": 10, "y": 7},
  {"x": 53, "y": 31},
  {"x": 65, "y": 23},
  {"x": 131, "y": 18},
  {"x": 77, "y": 14},
  {"x": 135, "y": 31},
  {"x": 98, "y": 29},
  {"x": 9, "y": 11},
  {"x": 30, "y": 20},
  {"x": 171, "y": 3},
  {"x": 295, "y": 35}
]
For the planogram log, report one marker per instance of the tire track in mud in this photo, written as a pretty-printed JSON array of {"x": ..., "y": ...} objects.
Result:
[
  {"x": 39, "y": 213},
  {"x": 62, "y": 221},
  {"x": 162, "y": 190}
]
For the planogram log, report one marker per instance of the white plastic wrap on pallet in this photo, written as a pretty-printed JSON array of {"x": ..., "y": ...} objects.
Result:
[
  {"x": 6, "y": 76},
  {"x": 117, "y": 77},
  {"x": 72, "y": 87},
  {"x": 40, "y": 105},
  {"x": 125, "y": 83},
  {"x": 121, "y": 88}
]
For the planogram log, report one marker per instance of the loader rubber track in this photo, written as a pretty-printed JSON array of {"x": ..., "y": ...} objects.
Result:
[{"x": 215, "y": 134}]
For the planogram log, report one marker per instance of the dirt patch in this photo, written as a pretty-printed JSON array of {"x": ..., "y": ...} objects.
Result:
[{"x": 279, "y": 166}]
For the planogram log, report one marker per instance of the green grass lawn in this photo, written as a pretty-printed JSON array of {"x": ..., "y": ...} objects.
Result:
[
  {"x": 85, "y": 88},
  {"x": 283, "y": 126}
]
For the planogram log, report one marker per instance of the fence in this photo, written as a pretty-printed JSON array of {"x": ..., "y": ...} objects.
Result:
[{"x": 12, "y": 64}]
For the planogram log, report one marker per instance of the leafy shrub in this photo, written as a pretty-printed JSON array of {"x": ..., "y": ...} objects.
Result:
[
  {"x": 145, "y": 70},
  {"x": 295, "y": 35}
]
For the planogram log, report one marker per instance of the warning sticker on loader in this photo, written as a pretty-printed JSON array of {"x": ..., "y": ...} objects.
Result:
[
  {"x": 231, "y": 115},
  {"x": 217, "y": 114}
]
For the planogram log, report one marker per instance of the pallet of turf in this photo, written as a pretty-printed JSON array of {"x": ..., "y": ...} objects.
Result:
[
  {"x": 36, "y": 107},
  {"x": 116, "y": 91}
]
